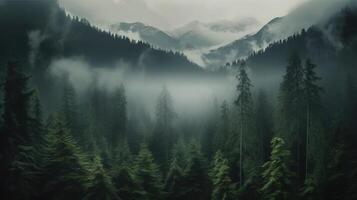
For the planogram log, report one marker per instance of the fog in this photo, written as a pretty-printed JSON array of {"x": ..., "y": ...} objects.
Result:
[
  {"x": 313, "y": 12},
  {"x": 191, "y": 96}
]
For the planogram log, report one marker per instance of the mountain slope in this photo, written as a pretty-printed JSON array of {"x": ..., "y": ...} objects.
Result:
[
  {"x": 40, "y": 31},
  {"x": 147, "y": 34},
  {"x": 242, "y": 47}
]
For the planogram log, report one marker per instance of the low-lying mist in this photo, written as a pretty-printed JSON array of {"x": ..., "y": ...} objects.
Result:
[{"x": 192, "y": 97}]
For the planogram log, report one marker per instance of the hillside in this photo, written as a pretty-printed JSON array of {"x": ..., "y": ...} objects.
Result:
[{"x": 39, "y": 31}]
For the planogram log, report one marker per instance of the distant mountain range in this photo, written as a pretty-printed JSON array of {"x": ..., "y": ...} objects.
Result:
[
  {"x": 242, "y": 47},
  {"x": 194, "y": 35}
]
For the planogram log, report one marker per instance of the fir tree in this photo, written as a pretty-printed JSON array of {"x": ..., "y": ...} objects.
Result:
[
  {"x": 222, "y": 183},
  {"x": 277, "y": 175},
  {"x": 264, "y": 125},
  {"x": 292, "y": 115},
  {"x": 16, "y": 150},
  {"x": 70, "y": 108},
  {"x": 126, "y": 183},
  {"x": 163, "y": 138},
  {"x": 174, "y": 181},
  {"x": 244, "y": 103},
  {"x": 224, "y": 129},
  {"x": 66, "y": 168},
  {"x": 197, "y": 184},
  {"x": 100, "y": 185},
  {"x": 148, "y": 175},
  {"x": 313, "y": 108}
]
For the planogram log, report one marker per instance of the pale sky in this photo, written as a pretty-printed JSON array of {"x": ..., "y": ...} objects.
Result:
[{"x": 168, "y": 14}]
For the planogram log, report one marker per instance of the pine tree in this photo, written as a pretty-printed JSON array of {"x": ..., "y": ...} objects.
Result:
[
  {"x": 100, "y": 185},
  {"x": 197, "y": 184},
  {"x": 16, "y": 151},
  {"x": 222, "y": 183},
  {"x": 122, "y": 155},
  {"x": 163, "y": 138},
  {"x": 66, "y": 168},
  {"x": 174, "y": 181},
  {"x": 292, "y": 115},
  {"x": 244, "y": 103},
  {"x": 313, "y": 107},
  {"x": 126, "y": 183},
  {"x": 264, "y": 125},
  {"x": 224, "y": 129},
  {"x": 148, "y": 175},
  {"x": 277, "y": 175}
]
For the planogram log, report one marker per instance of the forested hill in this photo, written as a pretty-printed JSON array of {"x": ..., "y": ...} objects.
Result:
[
  {"x": 36, "y": 32},
  {"x": 331, "y": 44}
]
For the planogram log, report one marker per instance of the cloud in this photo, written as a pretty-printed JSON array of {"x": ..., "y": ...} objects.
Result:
[
  {"x": 174, "y": 13},
  {"x": 313, "y": 12}
]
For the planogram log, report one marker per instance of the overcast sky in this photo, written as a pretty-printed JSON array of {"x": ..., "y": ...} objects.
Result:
[{"x": 168, "y": 14}]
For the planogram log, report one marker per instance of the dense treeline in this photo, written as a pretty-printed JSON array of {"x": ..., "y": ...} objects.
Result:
[{"x": 250, "y": 149}]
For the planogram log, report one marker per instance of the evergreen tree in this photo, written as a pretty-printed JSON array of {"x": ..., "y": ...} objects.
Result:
[
  {"x": 292, "y": 121},
  {"x": 16, "y": 150},
  {"x": 244, "y": 103},
  {"x": 70, "y": 108},
  {"x": 277, "y": 175},
  {"x": 126, "y": 184},
  {"x": 264, "y": 125},
  {"x": 197, "y": 184},
  {"x": 224, "y": 129},
  {"x": 313, "y": 108},
  {"x": 163, "y": 138},
  {"x": 174, "y": 182},
  {"x": 222, "y": 183},
  {"x": 100, "y": 184},
  {"x": 66, "y": 168},
  {"x": 148, "y": 175}
]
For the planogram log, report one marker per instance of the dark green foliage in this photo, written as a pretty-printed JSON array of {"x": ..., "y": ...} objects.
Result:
[
  {"x": 65, "y": 36},
  {"x": 70, "y": 108},
  {"x": 224, "y": 129},
  {"x": 148, "y": 175},
  {"x": 100, "y": 184},
  {"x": 127, "y": 186},
  {"x": 174, "y": 182},
  {"x": 197, "y": 183},
  {"x": 66, "y": 168},
  {"x": 222, "y": 183},
  {"x": 292, "y": 115},
  {"x": 244, "y": 103},
  {"x": 309, "y": 191},
  {"x": 264, "y": 124},
  {"x": 277, "y": 175},
  {"x": 16, "y": 150}
]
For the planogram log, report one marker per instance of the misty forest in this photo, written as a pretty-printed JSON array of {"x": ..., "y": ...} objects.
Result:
[{"x": 231, "y": 110}]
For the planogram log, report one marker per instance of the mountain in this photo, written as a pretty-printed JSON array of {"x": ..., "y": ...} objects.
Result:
[
  {"x": 149, "y": 34},
  {"x": 242, "y": 47},
  {"x": 332, "y": 45},
  {"x": 302, "y": 17},
  {"x": 196, "y": 34},
  {"x": 38, "y": 32}
]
